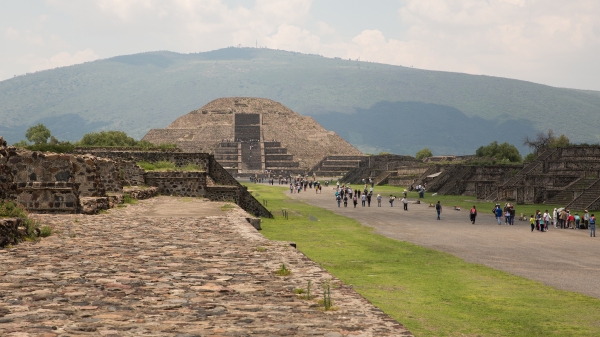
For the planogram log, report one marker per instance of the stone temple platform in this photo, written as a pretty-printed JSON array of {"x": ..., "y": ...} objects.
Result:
[{"x": 139, "y": 271}]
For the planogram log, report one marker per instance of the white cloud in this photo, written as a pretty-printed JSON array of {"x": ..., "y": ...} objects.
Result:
[{"x": 549, "y": 41}]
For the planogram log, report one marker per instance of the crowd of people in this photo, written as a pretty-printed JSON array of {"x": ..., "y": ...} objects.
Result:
[{"x": 344, "y": 194}]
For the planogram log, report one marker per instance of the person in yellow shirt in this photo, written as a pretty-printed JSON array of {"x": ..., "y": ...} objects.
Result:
[{"x": 532, "y": 222}]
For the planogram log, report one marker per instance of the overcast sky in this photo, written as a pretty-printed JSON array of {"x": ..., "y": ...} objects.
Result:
[{"x": 555, "y": 42}]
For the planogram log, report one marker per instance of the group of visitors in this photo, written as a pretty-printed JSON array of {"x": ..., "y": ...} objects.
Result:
[
  {"x": 299, "y": 184},
  {"x": 508, "y": 212}
]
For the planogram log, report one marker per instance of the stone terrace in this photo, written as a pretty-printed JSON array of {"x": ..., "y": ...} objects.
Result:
[{"x": 138, "y": 271}]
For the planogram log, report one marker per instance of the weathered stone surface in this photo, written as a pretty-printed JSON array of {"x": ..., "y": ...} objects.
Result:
[
  {"x": 141, "y": 193},
  {"x": 126, "y": 274}
]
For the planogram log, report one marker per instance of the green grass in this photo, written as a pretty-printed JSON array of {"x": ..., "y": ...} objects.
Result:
[
  {"x": 430, "y": 292},
  {"x": 127, "y": 199},
  {"x": 168, "y": 166}
]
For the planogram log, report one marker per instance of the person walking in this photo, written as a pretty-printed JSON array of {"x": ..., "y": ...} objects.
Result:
[
  {"x": 592, "y": 226},
  {"x": 405, "y": 202},
  {"x": 586, "y": 218},
  {"x": 392, "y": 198},
  {"x": 379, "y": 200},
  {"x": 338, "y": 198},
  {"x": 363, "y": 199},
  {"x": 354, "y": 200},
  {"x": 369, "y": 199},
  {"x": 473, "y": 214},
  {"x": 498, "y": 213},
  {"x": 438, "y": 208}
]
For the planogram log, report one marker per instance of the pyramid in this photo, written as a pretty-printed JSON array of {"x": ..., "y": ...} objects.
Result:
[{"x": 253, "y": 134}]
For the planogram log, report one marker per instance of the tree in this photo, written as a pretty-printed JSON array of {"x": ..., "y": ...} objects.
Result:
[
  {"x": 546, "y": 140},
  {"x": 38, "y": 134},
  {"x": 23, "y": 143},
  {"x": 503, "y": 152},
  {"x": 422, "y": 154},
  {"x": 106, "y": 138}
]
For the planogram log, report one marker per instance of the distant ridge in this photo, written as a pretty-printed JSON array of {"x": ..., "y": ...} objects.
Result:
[{"x": 376, "y": 107}]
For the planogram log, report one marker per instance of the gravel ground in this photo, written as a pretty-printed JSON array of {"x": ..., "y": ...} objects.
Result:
[{"x": 566, "y": 259}]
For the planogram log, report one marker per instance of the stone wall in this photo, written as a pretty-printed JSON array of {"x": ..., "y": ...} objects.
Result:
[
  {"x": 178, "y": 183},
  {"x": 45, "y": 182},
  {"x": 130, "y": 173}
]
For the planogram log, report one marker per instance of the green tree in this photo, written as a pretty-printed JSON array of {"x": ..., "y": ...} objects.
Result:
[
  {"x": 106, "y": 138},
  {"x": 561, "y": 141},
  {"x": 502, "y": 152},
  {"x": 546, "y": 140},
  {"x": 38, "y": 134},
  {"x": 423, "y": 154},
  {"x": 23, "y": 143}
]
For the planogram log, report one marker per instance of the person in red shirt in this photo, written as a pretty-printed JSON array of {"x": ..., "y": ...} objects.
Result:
[{"x": 571, "y": 221}]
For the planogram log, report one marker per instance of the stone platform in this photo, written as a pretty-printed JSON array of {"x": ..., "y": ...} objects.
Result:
[{"x": 140, "y": 271}]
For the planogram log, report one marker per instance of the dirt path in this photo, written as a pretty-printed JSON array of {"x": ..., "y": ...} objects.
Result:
[{"x": 566, "y": 259}]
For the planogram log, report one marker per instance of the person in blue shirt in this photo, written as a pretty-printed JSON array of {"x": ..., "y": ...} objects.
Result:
[{"x": 498, "y": 212}]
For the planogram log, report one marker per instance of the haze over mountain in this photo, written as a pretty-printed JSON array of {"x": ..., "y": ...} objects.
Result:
[{"x": 376, "y": 107}]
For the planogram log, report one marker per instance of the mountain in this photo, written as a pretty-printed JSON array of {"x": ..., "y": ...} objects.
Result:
[{"x": 376, "y": 107}]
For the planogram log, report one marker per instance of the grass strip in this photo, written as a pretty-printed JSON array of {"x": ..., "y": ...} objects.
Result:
[{"x": 432, "y": 293}]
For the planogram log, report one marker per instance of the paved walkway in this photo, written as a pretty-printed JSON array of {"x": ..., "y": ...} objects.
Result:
[
  {"x": 565, "y": 259},
  {"x": 171, "y": 267}
]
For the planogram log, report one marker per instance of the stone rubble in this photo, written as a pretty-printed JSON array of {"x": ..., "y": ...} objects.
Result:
[{"x": 127, "y": 274}]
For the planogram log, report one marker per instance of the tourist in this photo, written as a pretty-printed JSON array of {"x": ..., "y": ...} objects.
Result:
[
  {"x": 354, "y": 200},
  {"x": 563, "y": 219},
  {"x": 392, "y": 198},
  {"x": 378, "y": 200},
  {"x": 512, "y": 215},
  {"x": 498, "y": 213},
  {"x": 593, "y": 226},
  {"x": 571, "y": 221},
  {"x": 542, "y": 223},
  {"x": 338, "y": 198},
  {"x": 291, "y": 188},
  {"x": 363, "y": 199},
  {"x": 404, "y": 193},
  {"x": 473, "y": 214},
  {"x": 577, "y": 220},
  {"x": 507, "y": 216},
  {"x": 405, "y": 203},
  {"x": 532, "y": 222},
  {"x": 555, "y": 218},
  {"x": 345, "y": 200},
  {"x": 586, "y": 218},
  {"x": 547, "y": 219},
  {"x": 438, "y": 208},
  {"x": 369, "y": 199}
]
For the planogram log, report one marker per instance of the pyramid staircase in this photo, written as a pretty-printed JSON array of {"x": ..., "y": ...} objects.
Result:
[
  {"x": 453, "y": 184},
  {"x": 589, "y": 198}
]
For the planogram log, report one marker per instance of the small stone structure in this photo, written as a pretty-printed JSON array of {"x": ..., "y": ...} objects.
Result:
[
  {"x": 563, "y": 176},
  {"x": 251, "y": 135},
  {"x": 213, "y": 182},
  {"x": 86, "y": 183},
  {"x": 380, "y": 168},
  {"x": 11, "y": 231}
]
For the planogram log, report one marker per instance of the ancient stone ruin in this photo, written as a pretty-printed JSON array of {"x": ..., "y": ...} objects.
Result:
[
  {"x": 568, "y": 177},
  {"x": 251, "y": 135},
  {"x": 93, "y": 180}
]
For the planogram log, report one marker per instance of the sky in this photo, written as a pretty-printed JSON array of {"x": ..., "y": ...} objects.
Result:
[{"x": 553, "y": 42}]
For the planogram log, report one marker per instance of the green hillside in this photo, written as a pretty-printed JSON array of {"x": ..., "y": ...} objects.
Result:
[{"x": 377, "y": 107}]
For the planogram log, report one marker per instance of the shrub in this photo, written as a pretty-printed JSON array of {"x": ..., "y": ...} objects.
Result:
[
  {"x": 283, "y": 271},
  {"x": 9, "y": 209},
  {"x": 46, "y": 231}
]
